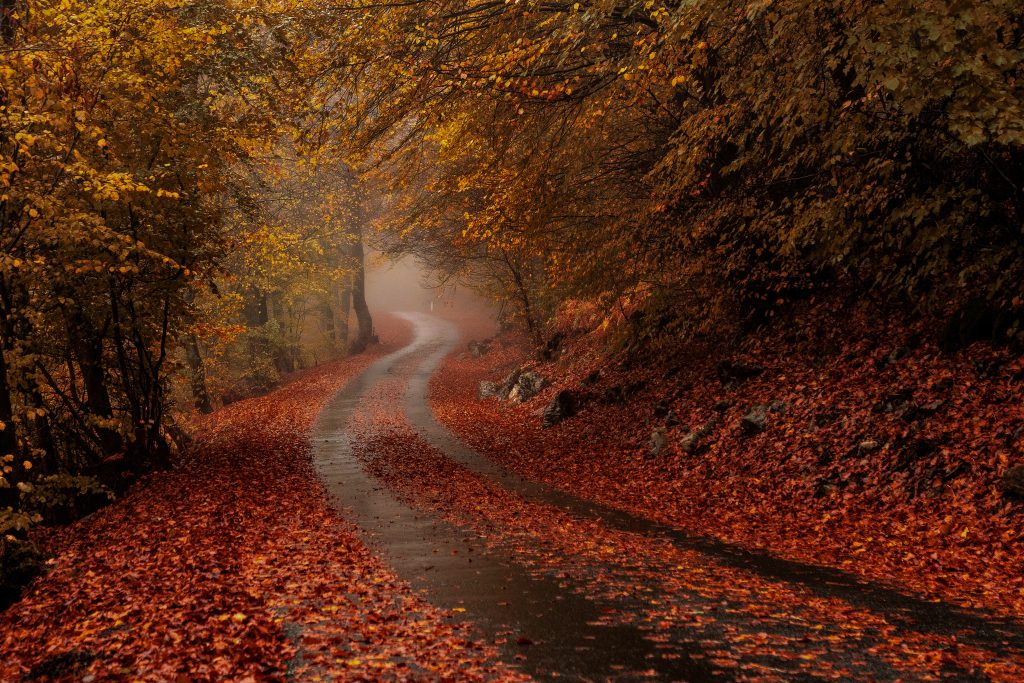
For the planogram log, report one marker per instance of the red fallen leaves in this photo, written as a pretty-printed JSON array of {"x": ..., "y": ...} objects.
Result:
[
  {"x": 755, "y": 627},
  {"x": 231, "y": 567},
  {"x": 906, "y": 492}
]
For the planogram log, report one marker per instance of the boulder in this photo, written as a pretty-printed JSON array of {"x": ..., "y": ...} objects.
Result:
[
  {"x": 915, "y": 412},
  {"x": 490, "y": 389},
  {"x": 562, "y": 406},
  {"x": 897, "y": 354},
  {"x": 527, "y": 385},
  {"x": 1013, "y": 482},
  {"x": 620, "y": 394},
  {"x": 614, "y": 395},
  {"x": 691, "y": 442},
  {"x": 509, "y": 383},
  {"x": 731, "y": 371},
  {"x": 500, "y": 390},
  {"x": 893, "y": 401},
  {"x": 553, "y": 348},
  {"x": 722, "y": 405},
  {"x": 755, "y": 421},
  {"x": 659, "y": 442},
  {"x": 662, "y": 409},
  {"x": 479, "y": 348}
]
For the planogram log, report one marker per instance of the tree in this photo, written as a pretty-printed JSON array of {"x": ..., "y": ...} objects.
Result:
[
  {"x": 712, "y": 159},
  {"x": 112, "y": 211}
]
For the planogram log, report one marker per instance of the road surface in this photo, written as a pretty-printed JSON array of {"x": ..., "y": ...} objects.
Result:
[{"x": 572, "y": 590}]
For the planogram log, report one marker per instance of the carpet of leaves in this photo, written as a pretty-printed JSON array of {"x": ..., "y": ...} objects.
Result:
[
  {"x": 744, "y": 624},
  {"x": 884, "y": 458},
  {"x": 233, "y": 566}
]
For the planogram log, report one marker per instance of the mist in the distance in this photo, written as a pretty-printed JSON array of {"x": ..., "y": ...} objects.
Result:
[{"x": 404, "y": 285}]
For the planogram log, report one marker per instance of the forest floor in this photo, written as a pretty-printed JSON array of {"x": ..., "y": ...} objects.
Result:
[
  {"x": 233, "y": 567},
  {"x": 878, "y": 454},
  {"x": 569, "y": 552}
]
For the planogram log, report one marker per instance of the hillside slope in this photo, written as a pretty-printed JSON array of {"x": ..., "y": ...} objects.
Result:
[{"x": 858, "y": 445}]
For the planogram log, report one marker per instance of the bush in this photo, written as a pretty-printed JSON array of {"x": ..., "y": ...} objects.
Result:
[
  {"x": 63, "y": 498},
  {"x": 20, "y": 561}
]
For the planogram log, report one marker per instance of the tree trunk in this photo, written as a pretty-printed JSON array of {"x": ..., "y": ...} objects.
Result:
[
  {"x": 365, "y": 335},
  {"x": 524, "y": 300},
  {"x": 88, "y": 350},
  {"x": 341, "y": 307},
  {"x": 43, "y": 430},
  {"x": 90, "y": 361},
  {"x": 255, "y": 315},
  {"x": 195, "y": 363},
  {"x": 8, "y": 435},
  {"x": 254, "y": 310},
  {"x": 283, "y": 350}
]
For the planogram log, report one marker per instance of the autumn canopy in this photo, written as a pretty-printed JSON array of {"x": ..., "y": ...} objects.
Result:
[{"x": 188, "y": 187}]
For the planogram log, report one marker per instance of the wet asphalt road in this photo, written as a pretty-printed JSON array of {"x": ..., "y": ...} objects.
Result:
[{"x": 715, "y": 618}]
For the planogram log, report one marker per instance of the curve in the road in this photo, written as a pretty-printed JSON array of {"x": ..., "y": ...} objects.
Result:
[
  {"x": 504, "y": 599},
  {"x": 545, "y": 625},
  {"x": 1002, "y": 635}
]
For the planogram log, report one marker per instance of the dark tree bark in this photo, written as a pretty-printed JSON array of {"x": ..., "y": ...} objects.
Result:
[
  {"x": 9, "y": 434},
  {"x": 365, "y": 335},
  {"x": 7, "y": 24},
  {"x": 284, "y": 355},
  {"x": 524, "y": 300},
  {"x": 341, "y": 308},
  {"x": 255, "y": 315},
  {"x": 88, "y": 350},
  {"x": 195, "y": 363},
  {"x": 42, "y": 431},
  {"x": 255, "y": 311}
]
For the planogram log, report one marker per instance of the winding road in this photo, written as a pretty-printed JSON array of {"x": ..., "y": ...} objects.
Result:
[{"x": 572, "y": 590}]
